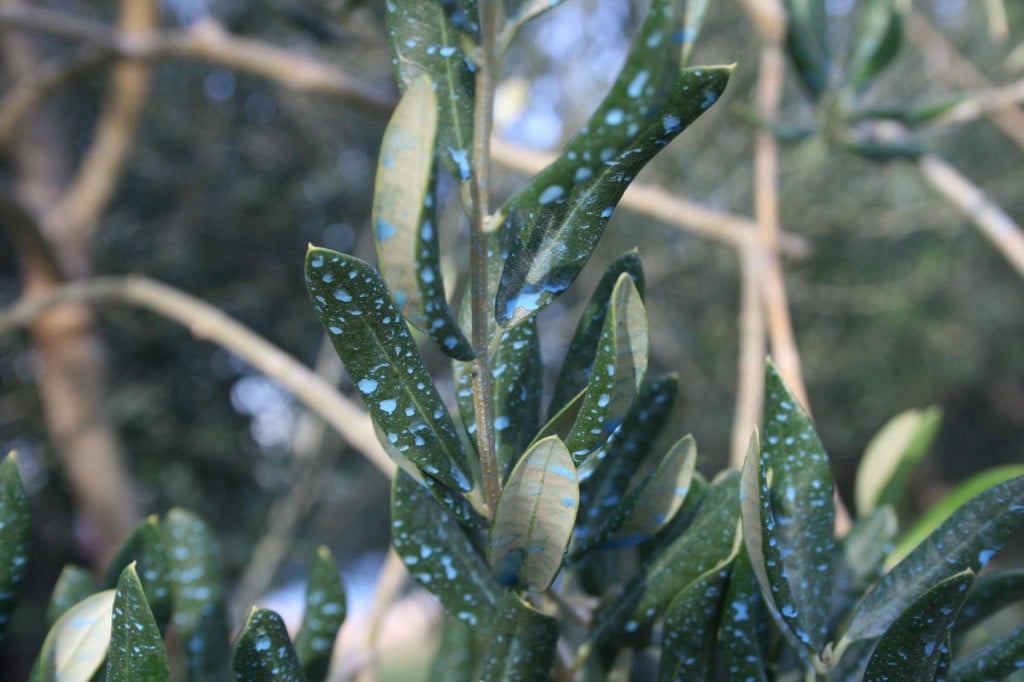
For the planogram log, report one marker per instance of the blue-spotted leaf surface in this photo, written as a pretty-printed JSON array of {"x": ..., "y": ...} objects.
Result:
[
  {"x": 136, "y": 645},
  {"x": 968, "y": 539},
  {"x": 911, "y": 647},
  {"x": 77, "y": 644},
  {"x": 618, "y": 370},
  {"x": 691, "y": 624},
  {"x": 807, "y": 43},
  {"x": 324, "y": 614},
  {"x": 405, "y": 219},
  {"x": 892, "y": 456},
  {"x": 14, "y": 536},
  {"x": 561, "y": 217},
  {"x": 579, "y": 358},
  {"x": 373, "y": 341},
  {"x": 455, "y": 659},
  {"x": 197, "y": 595},
  {"x": 264, "y": 653},
  {"x": 73, "y": 585},
  {"x": 463, "y": 15},
  {"x": 523, "y": 646},
  {"x": 739, "y": 637},
  {"x": 440, "y": 555},
  {"x": 534, "y": 517},
  {"x": 146, "y": 548},
  {"x": 998, "y": 659},
  {"x": 992, "y": 592},
  {"x": 424, "y": 42},
  {"x": 876, "y": 41}
]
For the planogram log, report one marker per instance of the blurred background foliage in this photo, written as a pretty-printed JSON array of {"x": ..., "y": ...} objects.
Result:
[{"x": 901, "y": 303}]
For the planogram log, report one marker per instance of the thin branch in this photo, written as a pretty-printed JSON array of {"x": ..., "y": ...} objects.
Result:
[
  {"x": 206, "y": 322},
  {"x": 750, "y": 369},
  {"x": 986, "y": 103},
  {"x": 998, "y": 26},
  {"x": 389, "y": 584}
]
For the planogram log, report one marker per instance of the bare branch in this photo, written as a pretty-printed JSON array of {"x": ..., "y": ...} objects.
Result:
[{"x": 750, "y": 368}]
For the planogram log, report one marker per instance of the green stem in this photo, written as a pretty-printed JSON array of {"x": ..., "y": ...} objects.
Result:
[{"x": 483, "y": 398}]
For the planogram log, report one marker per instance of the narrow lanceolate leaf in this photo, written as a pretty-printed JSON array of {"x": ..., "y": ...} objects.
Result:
[
  {"x": 146, "y": 548},
  {"x": 14, "y": 537},
  {"x": 992, "y": 592},
  {"x": 739, "y": 637},
  {"x": 562, "y": 422},
  {"x": 136, "y": 646},
  {"x": 534, "y": 517},
  {"x": 455, "y": 660},
  {"x": 619, "y": 368},
  {"x": 892, "y": 456},
  {"x": 863, "y": 552},
  {"x": 264, "y": 653},
  {"x": 691, "y": 622},
  {"x": 789, "y": 534},
  {"x": 523, "y": 647},
  {"x": 73, "y": 585},
  {"x": 996, "y": 660},
  {"x": 911, "y": 647},
  {"x": 561, "y": 218},
  {"x": 968, "y": 539},
  {"x": 876, "y": 41},
  {"x": 77, "y": 643},
  {"x": 424, "y": 42},
  {"x": 374, "y": 343},
  {"x": 405, "y": 219},
  {"x": 197, "y": 593},
  {"x": 651, "y": 504},
  {"x": 325, "y": 612},
  {"x": 711, "y": 541},
  {"x": 579, "y": 358},
  {"x": 807, "y": 43},
  {"x": 441, "y": 556}
]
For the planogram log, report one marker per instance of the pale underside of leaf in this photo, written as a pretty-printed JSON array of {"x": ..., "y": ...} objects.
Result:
[{"x": 77, "y": 643}]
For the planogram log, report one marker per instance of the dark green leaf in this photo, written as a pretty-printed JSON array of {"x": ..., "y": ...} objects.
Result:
[
  {"x": 197, "y": 592},
  {"x": 77, "y": 643},
  {"x": 739, "y": 636},
  {"x": 866, "y": 546},
  {"x": 136, "y": 646},
  {"x": 374, "y": 343},
  {"x": 911, "y": 647},
  {"x": 440, "y": 556},
  {"x": 424, "y": 42},
  {"x": 264, "y": 653},
  {"x": 907, "y": 149},
  {"x": 991, "y": 593},
  {"x": 455, "y": 660},
  {"x": 523, "y": 647},
  {"x": 807, "y": 43},
  {"x": 892, "y": 456},
  {"x": 876, "y": 41},
  {"x": 14, "y": 536},
  {"x": 74, "y": 584},
  {"x": 534, "y": 517},
  {"x": 146, "y": 548},
  {"x": 619, "y": 368},
  {"x": 691, "y": 621},
  {"x": 464, "y": 16},
  {"x": 561, "y": 424},
  {"x": 405, "y": 219},
  {"x": 789, "y": 533},
  {"x": 561, "y": 215},
  {"x": 966, "y": 540},
  {"x": 993, "y": 661},
  {"x": 579, "y": 358},
  {"x": 325, "y": 612}
]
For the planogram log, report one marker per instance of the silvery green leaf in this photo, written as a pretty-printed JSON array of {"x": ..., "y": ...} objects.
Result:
[
  {"x": 77, "y": 644},
  {"x": 324, "y": 614},
  {"x": 73, "y": 585},
  {"x": 264, "y": 653},
  {"x": 892, "y": 456},
  {"x": 877, "y": 39},
  {"x": 136, "y": 645},
  {"x": 14, "y": 536}
]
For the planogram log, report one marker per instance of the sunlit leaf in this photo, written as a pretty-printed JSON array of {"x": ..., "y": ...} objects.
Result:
[
  {"x": 523, "y": 646},
  {"x": 807, "y": 43},
  {"x": 911, "y": 647},
  {"x": 739, "y": 635},
  {"x": 876, "y": 41},
  {"x": 76, "y": 645},
  {"x": 618, "y": 370},
  {"x": 324, "y": 614},
  {"x": 406, "y": 229},
  {"x": 146, "y": 548},
  {"x": 968, "y": 539},
  {"x": 441, "y": 556},
  {"x": 891, "y": 457},
  {"x": 691, "y": 623},
  {"x": 993, "y": 661},
  {"x": 455, "y": 660},
  {"x": 136, "y": 646},
  {"x": 992, "y": 592},
  {"x": 264, "y": 652},
  {"x": 73, "y": 585},
  {"x": 534, "y": 517},
  {"x": 374, "y": 343},
  {"x": 14, "y": 536}
]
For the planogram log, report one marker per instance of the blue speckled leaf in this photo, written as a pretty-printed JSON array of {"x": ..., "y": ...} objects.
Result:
[
  {"x": 992, "y": 592},
  {"x": 264, "y": 652},
  {"x": 711, "y": 541},
  {"x": 561, "y": 423},
  {"x": 863, "y": 554},
  {"x": 424, "y": 42},
  {"x": 77, "y": 643},
  {"x": 73, "y": 585},
  {"x": 739, "y": 637},
  {"x": 324, "y": 614},
  {"x": 968, "y": 539},
  {"x": 534, "y": 517},
  {"x": 579, "y": 358},
  {"x": 945, "y": 659},
  {"x": 136, "y": 646},
  {"x": 455, "y": 660},
  {"x": 405, "y": 220},
  {"x": 14, "y": 537},
  {"x": 995, "y": 660},
  {"x": 910, "y": 649},
  {"x": 463, "y": 15},
  {"x": 876, "y": 41},
  {"x": 523, "y": 646},
  {"x": 441, "y": 556},
  {"x": 892, "y": 456},
  {"x": 789, "y": 534},
  {"x": 562, "y": 213},
  {"x": 197, "y": 593},
  {"x": 374, "y": 343},
  {"x": 619, "y": 368},
  {"x": 807, "y": 43},
  {"x": 146, "y": 548},
  {"x": 691, "y": 622}
]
